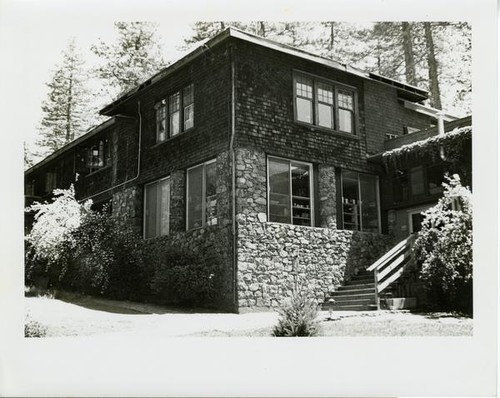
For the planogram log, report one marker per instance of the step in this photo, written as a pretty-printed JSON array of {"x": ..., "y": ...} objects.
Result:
[
  {"x": 368, "y": 295},
  {"x": 356, "y": 286},
  {"x": 359, "y": 281},
  {"x": 366, "y": 301},
  {"x": 343, "y": 292},
  {"x": 352, "y": 307}
]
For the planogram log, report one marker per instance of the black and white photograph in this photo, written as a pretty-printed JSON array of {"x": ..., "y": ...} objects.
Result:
[{"x": 200, "y": 179}]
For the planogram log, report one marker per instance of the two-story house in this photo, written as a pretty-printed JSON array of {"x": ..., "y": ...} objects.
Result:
[{"x": 273, "y": 153}]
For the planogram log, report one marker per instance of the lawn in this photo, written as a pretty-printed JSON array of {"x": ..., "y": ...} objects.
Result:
[{"x": 89, "y": 316}]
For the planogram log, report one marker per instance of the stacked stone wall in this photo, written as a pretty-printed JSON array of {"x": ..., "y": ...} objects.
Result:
[{"x": 273, "y": 257}]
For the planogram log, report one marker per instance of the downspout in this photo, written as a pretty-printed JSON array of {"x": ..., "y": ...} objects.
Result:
[
  {"x": 440, "y": 125},
  {"x": 138, "y": 159},
  {"x": 233, "y": 179}
]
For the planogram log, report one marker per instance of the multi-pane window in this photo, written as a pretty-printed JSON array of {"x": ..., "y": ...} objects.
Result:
[
  {"x": 325, "y": 104},
  {"x": 98, "y": 155},
  {"x": 202, "y": 195},
  {"x": 290, "y": 192},
  {"x": 157, "y": 208},
  {"x": 175, "y": 114},
  {"x": 417, "y": 182},
  {"x": 360, "y": 208}
]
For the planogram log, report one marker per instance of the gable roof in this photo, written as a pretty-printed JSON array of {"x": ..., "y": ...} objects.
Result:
[{"x": 407, "y": 91}]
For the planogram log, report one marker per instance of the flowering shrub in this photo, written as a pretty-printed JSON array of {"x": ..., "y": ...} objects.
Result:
[
  {"x": 298, "y": 315},
  {"x": 185, "y": 277},
  {"x": 33, "y": 328},
  {"x": 51, "y": 239},
  {"x": 443, "y": 248}
]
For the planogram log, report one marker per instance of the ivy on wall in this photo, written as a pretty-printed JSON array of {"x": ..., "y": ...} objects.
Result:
[{"x": 453, "y": 144}]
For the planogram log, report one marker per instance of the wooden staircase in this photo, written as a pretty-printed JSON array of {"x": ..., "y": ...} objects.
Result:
[
  {"x": 358, "y": 294},
  {"x": 362, "y": 292}
]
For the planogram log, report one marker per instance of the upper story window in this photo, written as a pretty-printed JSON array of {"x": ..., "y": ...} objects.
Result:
[
  {"x": 417, "y": 182},
  {"x": 201, "y": 195},
  {"x": 324, "y": 103},
  {"x": 175, "y": 114},
  {"x": 98, "y": 155},
  {"x": 360, "y": 202},
  {"x": 290, "y": 192},
  {"x": 157, "y": 208}
]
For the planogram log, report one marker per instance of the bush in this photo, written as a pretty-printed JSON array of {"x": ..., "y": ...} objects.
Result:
[
  {"x": 297, "y": 315},
  {"x": 187, "y": 278},
  {"x": 443, "y": 249},
  {"x": 51, "y": 240},
  {"x": 33, "y": 328},
  {"x": 108, "y": 259}
]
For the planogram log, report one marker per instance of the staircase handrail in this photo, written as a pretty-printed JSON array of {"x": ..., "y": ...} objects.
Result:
[{"x": 387, "y": 257}]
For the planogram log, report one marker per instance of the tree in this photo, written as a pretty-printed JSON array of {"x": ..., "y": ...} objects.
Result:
[
  {"x": 65, "y": 111},
  {"x": 432, "y": 66},
  {"x": 132, "y": 58},
  {"x": 443, "y": 248},
  {"x": 408, "y": 51}
]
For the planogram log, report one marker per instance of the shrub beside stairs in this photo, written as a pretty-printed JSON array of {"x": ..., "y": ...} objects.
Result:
[{"x": 358, "y": 294}]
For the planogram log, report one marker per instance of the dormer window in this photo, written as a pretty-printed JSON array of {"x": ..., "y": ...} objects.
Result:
[
  {"x": 175, "y": 114},
  {"x": 324, "y": 103}
]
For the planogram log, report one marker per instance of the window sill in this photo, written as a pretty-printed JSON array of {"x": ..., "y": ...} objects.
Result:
[
  {"x": 314, "y": 128},
  {"x": 98, "y": 171},
  {"x": 172, "y": 138}
]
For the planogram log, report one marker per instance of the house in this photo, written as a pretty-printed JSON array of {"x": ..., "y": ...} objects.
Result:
[{"x": 275, "y": 155}]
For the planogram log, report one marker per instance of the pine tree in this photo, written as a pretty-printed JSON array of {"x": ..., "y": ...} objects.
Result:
[
  {"x": 132, "y": 58},
  {"x": 65, "y": 111},
  {"x": 432, "y": 66},
  {"x": 408, "y": 52}
]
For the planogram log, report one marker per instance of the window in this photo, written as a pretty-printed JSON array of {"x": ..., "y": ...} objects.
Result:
[
  {"x": 157, "y": 208},
  {"x": 360, "y": 204},
  {"x": 50, "y": 181},
  {"x": 417, "y": 182},
  {"x": 175, "y": 114},
  {"x": 325, "y": 104},
  {"x": 98, "y": 155},
  {"x": 202, "y": 195},
  {"x": 290, "y": 192}
]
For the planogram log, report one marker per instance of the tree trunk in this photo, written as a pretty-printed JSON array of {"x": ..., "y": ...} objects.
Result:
[
  {"x": 433, "y": 67},
  {"x": 69, "y": 130},
  {"x": 408, "y": 51}
]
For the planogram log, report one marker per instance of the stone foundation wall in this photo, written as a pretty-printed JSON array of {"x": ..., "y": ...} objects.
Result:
[
  {"x": 127, "y": 205},
  {"x": 272, "y": 257}
]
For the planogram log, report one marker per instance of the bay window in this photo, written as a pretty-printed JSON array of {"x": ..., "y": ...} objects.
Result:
[
  {"x": 201, "y": 195},
  {"x": 290, "y": 198},
  {"x": 157, "y": 208}
]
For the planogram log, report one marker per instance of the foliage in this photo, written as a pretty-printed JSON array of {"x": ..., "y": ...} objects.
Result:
[
  {"x": 51, "y": 238},
  {"x": 33, "y": 328},
  {"x": 298, "y": 315},
  {"x": 108, "y": 259},
  {"x": 134, "y": 57},
  {"x": 186, "y": 277},
  {"x": 65, "y": 111},
  {"x": 443, "y": 248},
  {"x": 452, "y": 142}
]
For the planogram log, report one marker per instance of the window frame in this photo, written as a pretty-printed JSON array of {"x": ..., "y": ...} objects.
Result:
[
  {"x": 103, "y": 155},
  {"x": 167, "y": 178},
  {"x": 165, "y": 104},
  {"x": 316, "y": 80},
  {"x": 377, "y": 192},
  {"x": 311, "y": 189},
  {"x": 203, "y": 195}
]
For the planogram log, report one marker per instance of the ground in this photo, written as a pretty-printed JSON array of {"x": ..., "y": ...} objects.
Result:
[{"x": 90, "y": 316}]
